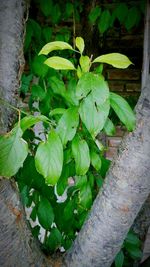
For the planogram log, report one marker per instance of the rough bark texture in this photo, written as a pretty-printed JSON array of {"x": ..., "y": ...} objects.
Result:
[
  {"x": 126, "y": 188},
  {"x": 11, "y": 57},
  {"x": 17, "y": 247}
]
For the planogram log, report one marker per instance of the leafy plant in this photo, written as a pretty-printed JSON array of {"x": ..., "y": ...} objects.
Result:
[{"x": 61, "y": 174}]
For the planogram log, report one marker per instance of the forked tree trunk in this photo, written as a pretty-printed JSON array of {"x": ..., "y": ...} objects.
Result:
[{"x": 126, "y": 187}]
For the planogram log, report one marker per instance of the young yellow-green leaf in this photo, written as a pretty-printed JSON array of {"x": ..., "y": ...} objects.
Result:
[
  {"x": 95, "y": 160},
  {"x": 117, "y": 60},
  {"x": 30, "y": 120},
  {"x": 85, "y": 63},
  {"x": 109, "y": 127},
  {"x": 57, "y": 45},
  {"x": 59, "y": 63},
  {"x": 68, "y": 124},
  {"x": 80, "y": 151},
  {"x": 45, "y": 213},
  {"x": 80, "y": 44},
  {"x": 123, "y": 111},
  {"x": 13, "y": 152},
  {"x": 49, "y": 158}
]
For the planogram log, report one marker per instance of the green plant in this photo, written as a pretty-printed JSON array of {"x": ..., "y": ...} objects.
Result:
[{"x": 71, "y": 158}]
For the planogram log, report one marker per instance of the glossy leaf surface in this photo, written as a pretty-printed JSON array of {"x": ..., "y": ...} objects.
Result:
[
  {"x": 117, "y": 60},
  {"x": 59, "y": 63},
  {"x": 57, "y": 45},
  {"x": 45, "y": 213},
  {"x": 13, "y": 152},
  {"x": 123, "y": 111},
  {"x": 80, "y": 44},
  {"x": 80, "y": 151},
  {"x": 49, "y": 158},
  {"x": 68, "y": 124}
]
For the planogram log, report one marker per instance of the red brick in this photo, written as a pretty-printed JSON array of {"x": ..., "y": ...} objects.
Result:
[
  {"x": 124, "y": 75},
  {"x": 120, "y": 131},
  {"x": 114, "y": 141},
  {"x": 133, "y": 87},
  {"x": 111, "y": 152},
  {"x": 116, "y": 86}
]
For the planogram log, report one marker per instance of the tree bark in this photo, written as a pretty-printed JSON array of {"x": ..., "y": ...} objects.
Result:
[{"x": 17, "y": 247}]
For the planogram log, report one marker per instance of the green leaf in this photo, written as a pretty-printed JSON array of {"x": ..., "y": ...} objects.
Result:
[
  {"x": 38, "y": 66},
  {"x": 109, "y": 127},
  {"x": 80, "y": 44},
  {"x": 121, "y": 12},
  {"x": 119, "y": 259},
  {"x": 104, "y": 22},
  {"x": 28, "y": 36},
  {"x": 100, "y": 92},
  {"x": 132, "y": 18},
  {"x": 47, "y": 34},
  {"x": 133, "y": 250},
  {"x": 132, "y": 239},
  {"x": 117, "y": 60},
  {"x": 38, "y": 92},
  {"x": 69, "y": 210},
  {"x": 85, "y": 196},
  {"x": 68, "y": 171},
  {"x": 94, "y": 14},
  {"x": 96, "y": 118},
  {"x": 30, "y": 120},
  {"x": 59, "y": 63},
  {"x": 36, "y": 29},
  {"x": 49, "y": 158},
  {"x": 85, "y": 63},
  {"x": 80, "y": 181},
  {"x": 70, "y": 94},
  {"x": 25, "y": 83},
  {"x": 46, "y": 7},
  {"x": 57, "y": 111},
  {"x": 14, "y": 150},
  {"x": 56, "y": 14},
  {"x": 95, "y": 160},
  {"x": 56, "y": 45},
  {"x": 54, "y": 240},
  {"x": 123, "y": 111},
  {"x": 57, "y": 86},
  {"x": 68, "y": 10},
  {"x": 89, "y": 82},
  {"x": 45, "y": 213},
  {"x": 80, "y": 151},
  {"x": 68, "y": 124}
]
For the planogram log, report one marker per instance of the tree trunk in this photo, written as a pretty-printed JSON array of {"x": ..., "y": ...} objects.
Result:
[{"x": 17, "y": 247}]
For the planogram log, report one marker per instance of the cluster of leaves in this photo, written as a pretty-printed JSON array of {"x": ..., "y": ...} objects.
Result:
[
  {"x": 70, "y": 161},
  {"x": 60, "y": 170},
  {"x": 126, "y": 14}
]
